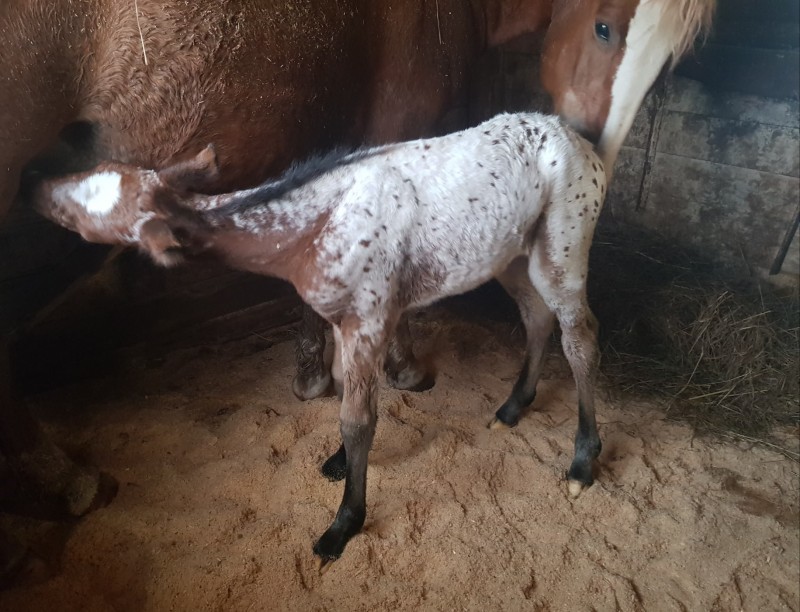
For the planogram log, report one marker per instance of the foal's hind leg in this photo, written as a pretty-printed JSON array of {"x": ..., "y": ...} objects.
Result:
[
  {"x": 538, "y": 321},
  {"x": 579, "y": 339},
  {"x": 565, "y": 294},
  {"x": 403, "y": 369}
]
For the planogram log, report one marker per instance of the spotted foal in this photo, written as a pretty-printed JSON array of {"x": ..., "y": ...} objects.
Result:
[{"x": 368, "y": 235}]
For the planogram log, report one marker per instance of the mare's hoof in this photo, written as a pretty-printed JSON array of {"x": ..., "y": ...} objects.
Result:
[
  {"x": 581, "y": 472},
  {"x": 87, "y": 491},
  {"x": 428, "y": 381},
  {"x": 335, "y": 467},
  {"x": 410, "y": 379},
  {"x": 105, "y": 492},
  {"x": 306, "y": 387},
  {"x": 26, "y": 570}
]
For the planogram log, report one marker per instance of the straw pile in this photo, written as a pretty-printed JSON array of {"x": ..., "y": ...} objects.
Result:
[{"x": 722, "y": 349}]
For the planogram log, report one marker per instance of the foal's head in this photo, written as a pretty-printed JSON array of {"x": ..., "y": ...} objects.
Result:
[{"x": 122, "y": 204}]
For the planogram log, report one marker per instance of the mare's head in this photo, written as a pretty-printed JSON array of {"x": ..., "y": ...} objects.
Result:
[
  {"x": 123, "y": 204},
  {"x": 600, "y": 58}
]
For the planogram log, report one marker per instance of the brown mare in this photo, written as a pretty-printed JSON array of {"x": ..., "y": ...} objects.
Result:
[{"x": 269, "y": 82}]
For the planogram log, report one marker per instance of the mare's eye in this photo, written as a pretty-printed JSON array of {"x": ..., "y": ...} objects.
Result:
[{"x": 602, "y": 31}]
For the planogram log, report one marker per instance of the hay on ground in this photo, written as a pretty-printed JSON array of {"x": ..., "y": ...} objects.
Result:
[{"x": 722, "y": 349}]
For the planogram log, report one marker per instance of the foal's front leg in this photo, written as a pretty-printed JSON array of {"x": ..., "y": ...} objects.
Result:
[{"x": 362, "y": 353}]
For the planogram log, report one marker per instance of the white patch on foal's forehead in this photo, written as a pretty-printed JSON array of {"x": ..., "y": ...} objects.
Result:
[
  {"x": 648, "y": 45},
  {"x": 98, "y": 193}
]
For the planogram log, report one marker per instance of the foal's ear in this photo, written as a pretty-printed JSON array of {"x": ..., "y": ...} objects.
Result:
[
  {"x": 157, "y": 240},
  {"x": 198, "y": 173}
]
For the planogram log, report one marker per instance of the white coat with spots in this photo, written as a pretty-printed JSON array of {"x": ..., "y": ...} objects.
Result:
[{"x": 366, "y": 236}]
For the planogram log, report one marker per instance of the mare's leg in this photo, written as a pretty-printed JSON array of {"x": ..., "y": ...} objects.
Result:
[
  {"x": 403, "y": 369},
  {"x": 335, "y": 467},
  {"x": 538, "y": 321},
  {"x": 362, "y": 350},
  {"x": 19, "y": 566},
  {"x": 312, "y": 379},
  {"x": 37, "y": 465},
  {"x": 565, "y": 294}
]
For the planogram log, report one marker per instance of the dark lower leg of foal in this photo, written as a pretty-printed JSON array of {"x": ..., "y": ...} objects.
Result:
[
  {"x": 522, "y": 396},
  {"x": 353, "y": 509},
  {"x": 580, "y": 347},
  {"x": 587, "y": 449},
  {"x": 403, "y": 369},
  {"x": 361, "y": 352},
  {"x": 538, "y": 322},
  {"x": 312, "y": 378}
]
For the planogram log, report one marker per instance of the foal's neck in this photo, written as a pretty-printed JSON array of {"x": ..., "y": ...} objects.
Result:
[{"x": 274, "y": 238}]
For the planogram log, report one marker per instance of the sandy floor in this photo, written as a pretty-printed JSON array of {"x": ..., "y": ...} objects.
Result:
[{"x": 220, "y": 498}]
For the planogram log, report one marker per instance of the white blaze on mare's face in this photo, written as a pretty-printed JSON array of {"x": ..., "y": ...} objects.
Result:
[
  {"x": 647, "y": 48},
  {"x": 98, "y": 193}
]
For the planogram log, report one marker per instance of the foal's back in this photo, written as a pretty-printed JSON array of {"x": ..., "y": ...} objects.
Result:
[{"x": 440, "y": 216}]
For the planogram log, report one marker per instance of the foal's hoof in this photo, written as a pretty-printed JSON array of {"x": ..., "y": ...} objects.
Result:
[
  {"x": 309, "y": 387},
  {"x": 507, "y": 416},
  {"x": 498, "y": 424},
  {"x": 579, "y": 477},
  {"x": 575, "y": 488},
  {"x": 325, "y": 565},
  {"x": 329, "y": 548},
  {"x": 335, "y": 467}
]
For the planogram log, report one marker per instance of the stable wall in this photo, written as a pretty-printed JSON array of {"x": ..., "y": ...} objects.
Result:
[{"x": 713, "y": 158}]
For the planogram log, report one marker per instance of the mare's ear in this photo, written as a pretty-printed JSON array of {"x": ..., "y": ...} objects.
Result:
[
  {"x": 157, "y": 240},
  {"x": 198, "y": 173}
]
